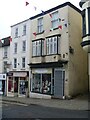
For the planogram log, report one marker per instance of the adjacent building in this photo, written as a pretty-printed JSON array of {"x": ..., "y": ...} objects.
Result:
[
  {"x": 18, "y": 75},
  {"x": 4, "y": 62},
  {"x": 85, "y": 5},
  {"x": 58, "y": 63}
]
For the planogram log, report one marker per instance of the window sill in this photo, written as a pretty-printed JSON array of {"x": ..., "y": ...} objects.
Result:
[
  {"x": 40, "y": 33},
  {"x": 54, "y": 29}
]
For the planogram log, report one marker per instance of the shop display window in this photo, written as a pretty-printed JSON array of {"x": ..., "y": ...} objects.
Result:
[
  {"x": 22, "y": 87},
  {"x": 36, "y": 83},
  {"x": 46, "y": 83},
  {"x": 41, "y": 83},
  {"x": 10, "y": 86}
]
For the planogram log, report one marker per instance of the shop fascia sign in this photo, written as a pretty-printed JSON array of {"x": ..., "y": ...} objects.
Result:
[{"x": 2, "y": 76}]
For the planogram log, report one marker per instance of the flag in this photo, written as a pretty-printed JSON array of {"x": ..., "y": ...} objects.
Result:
[
  {"x": 60, "y": 27},
  {"x": 51, "y": 29},
  {"x": 27, "y": 3},
  {"x": 35, "y": 8},
  {"x": 63, "y": 19},
  {"x": 65, "y": 24},
  {"x": 59, "y": 19},
  {"x": 50, "y": 15},
  {"x": 10, "y": 39},
  {"x": 34, "y": 33},
  {"x": 42, "y": 12}
]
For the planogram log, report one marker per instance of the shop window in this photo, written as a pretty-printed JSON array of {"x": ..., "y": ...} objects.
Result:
[
  {"x": 84, "y": 22},
  {"x": 22, "y": 87},
  {"x": 41, "y": 83},
  {"x": 89, "y": 20},
  {"x": 10, "y": 85},
  {"x": 1, "y": 87},
  {"x": 46, "y": 83},
  {"x": 36, "y": 83}
]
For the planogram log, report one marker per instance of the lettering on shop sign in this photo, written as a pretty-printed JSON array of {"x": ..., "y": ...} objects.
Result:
[
  {"x": 41, "y": 71},
  {"x": 2, "y": 76}
]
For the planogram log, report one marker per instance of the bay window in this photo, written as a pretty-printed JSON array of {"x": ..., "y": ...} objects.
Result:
[
  {"x": 52, "y": 45},
  {"x": 37, "y": 48}
]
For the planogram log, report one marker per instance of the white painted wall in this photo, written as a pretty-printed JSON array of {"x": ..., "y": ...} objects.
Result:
[{"x": 19, "y": 40}]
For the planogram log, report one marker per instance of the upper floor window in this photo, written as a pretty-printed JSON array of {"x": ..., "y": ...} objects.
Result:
[
  {"x": 40, "y": 25},
  {"x": 5, "y": 52},
  {"x": 84, "y": 22},
  {"x": 15, "y": 63},
  {"x": 52, "y": 45},
  {"x": 16, "y": 32},
  {"x": 24, "y": 45},
  {"x": 37, "y": 48},
  {"x": 89, "y": 20},
  {"x": 55, "y": 20},
  {"x": 5, "y": 66},
  {"x": 24, "y": 30},
  {"x": 23, "y": 62},
  {"x": 15, "y": 48}
]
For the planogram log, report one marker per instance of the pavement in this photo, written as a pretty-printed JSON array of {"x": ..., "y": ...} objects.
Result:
[{"x": 78, "y": 103}]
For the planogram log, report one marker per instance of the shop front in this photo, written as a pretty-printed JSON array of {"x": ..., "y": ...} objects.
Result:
[
  {"x": 47, "y": 82},
  {"x": 2, "y": 84},
  {"x": 17, "y": 83}
]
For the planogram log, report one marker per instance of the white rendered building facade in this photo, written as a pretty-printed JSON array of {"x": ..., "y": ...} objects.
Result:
[{"x": 18, "y": 75}]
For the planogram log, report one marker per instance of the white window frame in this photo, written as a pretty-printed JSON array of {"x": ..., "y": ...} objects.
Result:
[
  {"x": 37, "y": 49},
  {"x": 24, "y": 29},
  {"x": 24, "y": 46},
  {"x": 23, "y": 62},
  {"x": 15, "y": 63},
  {"x": 15, "y": 47},
  {"x": 55, "y": 20},
  {"x": 16, "y": 32},
  {"x": 5, "y": 52},
  {"x": 52, "y": 45},
  {"x": 40, "y": 25}
]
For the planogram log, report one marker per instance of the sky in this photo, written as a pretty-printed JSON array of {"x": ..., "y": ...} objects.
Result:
[{"x": 15, "y": 11}]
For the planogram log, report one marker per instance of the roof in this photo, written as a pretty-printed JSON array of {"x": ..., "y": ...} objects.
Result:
[
  {"x": 55, "y": 8},
  {"x": 20, "y": 22},
  {"x": 6, "y": 42}
]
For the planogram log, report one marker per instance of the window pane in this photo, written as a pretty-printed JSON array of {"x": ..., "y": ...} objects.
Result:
[
  {"x": 15, "y": 63},
  {"x": 51, "y": 45},
  {"x": 24, "y": 30},
  {"x": 36, "y": 83},
  {"x": 5, "y": 51},
  {"x": 55, "y": 20},
  {"x": 40, "y": 25},
  {"x": 16, "y": 32},
  {"x": 84, "y": 23},
  {"x": 46, "y": 83},
  {"x": 24, "y": 46},
  {"x": 23, "y": 62},
  {"x": 15, "y": 48}
]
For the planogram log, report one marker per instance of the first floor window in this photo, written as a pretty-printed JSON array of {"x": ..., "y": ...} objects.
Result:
[
  {"x": 41, "y": 83},
  {"x": 23, "y": 62},
  {"x": 52, "y": 45},
  {"x": 37, "y": 48},
  {"x": 15, "y": 63}
]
